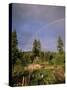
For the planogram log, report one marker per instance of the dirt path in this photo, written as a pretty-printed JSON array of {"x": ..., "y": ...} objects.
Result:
[{"x": 33, "y": 67}]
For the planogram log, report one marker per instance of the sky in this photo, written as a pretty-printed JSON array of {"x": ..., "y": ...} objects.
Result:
[{"x": 41, "y": 22}]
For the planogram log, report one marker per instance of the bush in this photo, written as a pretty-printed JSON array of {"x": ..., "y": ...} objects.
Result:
[
  {"x": 59, "y": 59},
  {"x": 42, "y": 76}
]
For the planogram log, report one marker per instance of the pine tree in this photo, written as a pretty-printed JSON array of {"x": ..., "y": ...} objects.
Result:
[
  {"x": 14, "y": 48},
  {"x": 60, "y": 45},
  {"x": 36, "y": 48}
]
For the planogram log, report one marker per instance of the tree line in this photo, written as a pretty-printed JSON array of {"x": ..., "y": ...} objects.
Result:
[{"x": 36, "y": 50}]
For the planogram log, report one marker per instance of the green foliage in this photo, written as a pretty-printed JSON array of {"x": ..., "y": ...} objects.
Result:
[
  {"x": 26, "y": 59},
  {"x": 14, "y": 48},
  {"x": 59, "y": 59},
  {"x": 36, "y": 48},
  {"x": 49, "y": 78},
  {"x": 60, "y": 45},
  {"x": 47, "y": 55},
  {"x": 18, "y": 68},
  {"x": 18, "y": 62},
  {"x": 42, "y": 76},
  {"x": 14, "y": 39},
  {"x": 36, "y": 77},
  {"x": 42, "y": 56},
  {"x": 20, "y": 55}
]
